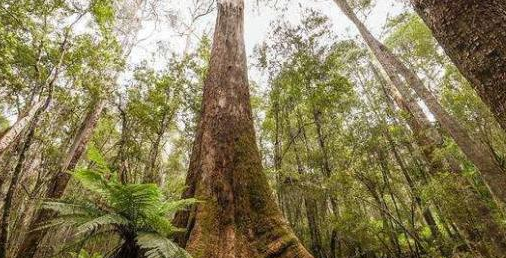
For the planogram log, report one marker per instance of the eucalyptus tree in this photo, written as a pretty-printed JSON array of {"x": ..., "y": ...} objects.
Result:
[
  {"x": 477, "y": 152},
  {"x": 239, "y": 217},
  {"x": 91, "y": 65},
  {"x": 472, "y": 34}
]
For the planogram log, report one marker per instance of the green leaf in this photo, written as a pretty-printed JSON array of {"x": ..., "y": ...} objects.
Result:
[
  {"x": 103, "y": 221},
  {"x": 157, "y": 246}
]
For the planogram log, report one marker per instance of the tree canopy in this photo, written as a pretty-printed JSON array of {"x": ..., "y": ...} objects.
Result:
[{"x": 232, "y": 128}]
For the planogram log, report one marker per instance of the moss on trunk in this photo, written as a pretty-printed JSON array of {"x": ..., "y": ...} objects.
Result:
[{"x": 239, "y": 217}]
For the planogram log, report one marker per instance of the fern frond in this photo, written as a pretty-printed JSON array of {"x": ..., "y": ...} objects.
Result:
[
  {"x": 132, "y": 198},
  {"x": 174, "y": 206},
  {"x": 160, "y": 224},
  {"x": 74, "y": 208},
  {"x": 65, "y": 220},
  {"x": 157, "y": 246},
  {"x": 102, "y": 221},
  {"x": 91, "y": 180}
]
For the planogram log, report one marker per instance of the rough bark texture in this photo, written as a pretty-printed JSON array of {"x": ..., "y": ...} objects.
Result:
[
  {"x": 473, "y": 34},
  {"x": 57, "y": 186},
  {"x": 239, "y": 217},
  {"x": 478, "y": 153},
  {"x": 15, "y": 130},
  {"x": 428, "y": 140}
]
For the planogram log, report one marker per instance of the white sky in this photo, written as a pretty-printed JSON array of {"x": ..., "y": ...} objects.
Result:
[{"x": 257, "y": 25}]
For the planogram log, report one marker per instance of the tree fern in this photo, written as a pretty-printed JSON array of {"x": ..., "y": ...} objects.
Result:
[
  {"x": 107, "y": 220},
  {"x": 157, "y": 246},
  {"x": 137, "y": 213}
]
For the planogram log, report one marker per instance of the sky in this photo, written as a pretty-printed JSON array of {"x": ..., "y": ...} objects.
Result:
[{"x": 258, "y": 20}]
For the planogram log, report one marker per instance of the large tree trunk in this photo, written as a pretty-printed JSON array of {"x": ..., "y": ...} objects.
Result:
[
  {"x": 239, "y": 217},
  {"x": 57, "y": 186},
  {"x": 477, "y": 152},
  {"x": 10, "y": 135},
  {"x": 473, "y": 34}
]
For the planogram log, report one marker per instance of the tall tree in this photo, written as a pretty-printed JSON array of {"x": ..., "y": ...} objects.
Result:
[
  {"x": 15, "y": 130},
  {"x": 472, "y": 33},
  {"x": 476, "y": 151},
  {"x": 59, "y": 183},
  {"x": 239, "y": 217}
]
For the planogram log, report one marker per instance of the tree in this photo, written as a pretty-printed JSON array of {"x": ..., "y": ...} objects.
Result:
[
  {"x": 477, "y": 152},
  {"x": 473, "y": 33},
  {"x": 59, "y": 183},
  {"x": 239, "y": 217},
  {"x": 137, "y": 213},
  {"x": 15, "y": 130}
]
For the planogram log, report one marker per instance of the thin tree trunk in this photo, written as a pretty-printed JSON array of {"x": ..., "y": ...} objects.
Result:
[
  {"x": 386, "y": 215},
  {"x": 58, "y": 184},
  {"x": 278, "y": 150},
  {"x": 327, "y": 169},
  {"x": 385, "y": 174},
  {"x": 479, "y": 154},
  {"x": 423, "y": 132},
  {"x": 151, "y": 175},
  {"x": 239, "y": 217},
  {"x": 121, "y": 158},
  {"x": 15, "y": 130},
  {"x": 311, "y": 207},
  {"x": 16, "y": 175},
  {"x": 473, "y": 34},
  {"x": 426, "y": 213}
]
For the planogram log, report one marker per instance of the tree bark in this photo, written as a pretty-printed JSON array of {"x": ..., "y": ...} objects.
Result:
[
  {"x": 475, "y": 151},
  {"x": 17, "y": 173},
  {"x": 473, "y": 35},
  {"x": 239, "y": 217},
  {"x": 58, "y": 184},
  {"x": 10, "y": 135}
]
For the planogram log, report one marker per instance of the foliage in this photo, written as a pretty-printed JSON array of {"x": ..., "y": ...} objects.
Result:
[
  {"x": 136, "y": 212},
  {"x": 341, "y": 153}
]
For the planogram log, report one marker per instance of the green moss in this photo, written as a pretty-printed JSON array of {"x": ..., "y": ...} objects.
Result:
[
  {"x": 255, "y": 211},
  {"x": 208, "y": 223},
  {"x": 259, "y": 211}
]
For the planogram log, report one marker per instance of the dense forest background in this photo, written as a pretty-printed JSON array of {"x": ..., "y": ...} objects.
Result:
[{"x": 379, "y": 139}]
